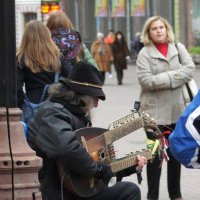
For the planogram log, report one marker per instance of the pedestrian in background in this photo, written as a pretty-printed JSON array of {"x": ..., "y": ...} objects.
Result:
[
  {"x": 109, "y": 39},
  {"x": 38, "y": 59},
  {"x": 102, "y": 54},
  {"x": 68, "y": 39},
  {"x": 161, "y": 77},
  {"x": 121, "y": 55},
  {"x": 137, "y": 44}
]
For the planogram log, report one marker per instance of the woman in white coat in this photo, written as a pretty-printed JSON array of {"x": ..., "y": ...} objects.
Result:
[{"x": 161, "y": 77}]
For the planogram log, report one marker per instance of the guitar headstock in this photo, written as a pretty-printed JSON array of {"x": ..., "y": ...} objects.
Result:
[
  {"x": 150, "y": 126},
  {"x": 123, "y": 120}
]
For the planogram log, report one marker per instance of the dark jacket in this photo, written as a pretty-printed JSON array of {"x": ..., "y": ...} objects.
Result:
[
  {"x": 51, "y": 135},
  {"x": 33, "y": 84},
  {"x": 137, "y": 45},
  {"x": 120, "y": 51}
]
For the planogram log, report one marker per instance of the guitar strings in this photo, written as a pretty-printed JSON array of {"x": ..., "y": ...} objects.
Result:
[
  {"x": 127, "y": 127},
  {"x": 100, "y": 138},
  {"x": 96, "y": 139},
  {"x": 91, "y": 144},
  {"x": 119, "y": 131}
]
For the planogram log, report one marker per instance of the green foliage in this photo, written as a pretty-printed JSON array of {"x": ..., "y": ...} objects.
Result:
[{"x": 194, "y": 50}]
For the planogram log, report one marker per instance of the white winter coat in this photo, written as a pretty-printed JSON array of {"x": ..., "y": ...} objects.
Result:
[{"x": 161, "y": 80}]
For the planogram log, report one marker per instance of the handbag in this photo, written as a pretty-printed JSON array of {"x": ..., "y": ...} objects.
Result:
[
  {"x": 29, "y": 109},
  {"x": 189, "y": 89}
]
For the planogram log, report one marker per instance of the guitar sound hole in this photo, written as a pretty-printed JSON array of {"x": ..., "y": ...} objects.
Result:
[{"x": 102, "y": 155}]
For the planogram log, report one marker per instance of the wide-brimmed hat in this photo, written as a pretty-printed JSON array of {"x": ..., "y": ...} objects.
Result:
[{"x": 84, "y": 78}]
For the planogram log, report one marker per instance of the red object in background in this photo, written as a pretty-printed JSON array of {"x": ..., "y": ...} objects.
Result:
[
  {"x": 45, "y": 8},
  {"x": 167, "y": 132},
  {"x": 55, "y": 7}
]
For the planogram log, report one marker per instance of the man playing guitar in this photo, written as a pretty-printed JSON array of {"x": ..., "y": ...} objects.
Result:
[{"x": 52, "y": 135}]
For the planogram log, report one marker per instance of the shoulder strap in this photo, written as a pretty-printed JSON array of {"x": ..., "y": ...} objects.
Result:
[
  {"x": 176, "y": 45},
  {"x": 186, "y": 84},
  {"x": 56, "y": 77},
  {"x": 44, "y": 93}
]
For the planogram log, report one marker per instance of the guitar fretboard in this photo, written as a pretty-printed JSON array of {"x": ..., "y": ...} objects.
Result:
[
  {"x": 128, "y": 161},
  {"x": 123, "y": 130}
]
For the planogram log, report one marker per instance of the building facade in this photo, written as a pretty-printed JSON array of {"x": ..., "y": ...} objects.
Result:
[
  {"x": 25, "y": 10},
  {"x": 183, "y": 15}
]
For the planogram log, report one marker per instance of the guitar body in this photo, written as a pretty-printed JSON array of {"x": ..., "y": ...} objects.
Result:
[
  {"x": 85, "y": 186},
  {"x": 77, "y": 184},
  {"x": 94, "y": 141}
]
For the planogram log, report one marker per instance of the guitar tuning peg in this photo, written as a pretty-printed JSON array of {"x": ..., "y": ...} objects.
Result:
[{"x": 144, "y": 149}]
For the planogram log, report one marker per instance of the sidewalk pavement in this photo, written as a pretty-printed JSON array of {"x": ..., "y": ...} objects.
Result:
[{"x": 119, "y": 102}]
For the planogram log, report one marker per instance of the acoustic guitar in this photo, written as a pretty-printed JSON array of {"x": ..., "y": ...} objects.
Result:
[{"x": 99, "y": 144}]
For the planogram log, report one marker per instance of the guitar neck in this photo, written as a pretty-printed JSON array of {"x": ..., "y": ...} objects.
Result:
[
  {"x": 128, "y": 161},
  {"x": 123, "y": 130}
]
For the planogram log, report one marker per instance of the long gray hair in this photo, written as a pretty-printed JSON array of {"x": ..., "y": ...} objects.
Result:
[{"x": 67, "y": 94}]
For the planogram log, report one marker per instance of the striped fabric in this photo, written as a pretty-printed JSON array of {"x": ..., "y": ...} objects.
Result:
[{"x": 184, "y": 142}]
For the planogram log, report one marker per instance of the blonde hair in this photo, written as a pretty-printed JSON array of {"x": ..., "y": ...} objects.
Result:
[
  {"x": 37, "y": 48},
  {"x": 145, "y": 38},
  {"x": 58, "y": 19}
]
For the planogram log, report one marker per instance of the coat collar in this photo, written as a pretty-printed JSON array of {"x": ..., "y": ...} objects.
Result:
[
  {"x": 75, "y": 109},
  {"x": 154, "y": 53}
]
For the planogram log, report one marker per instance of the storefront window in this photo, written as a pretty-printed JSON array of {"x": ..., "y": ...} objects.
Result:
[{"x": 28, "y": 17}]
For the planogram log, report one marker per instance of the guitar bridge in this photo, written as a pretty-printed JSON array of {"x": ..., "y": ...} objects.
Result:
[{"x": 111, "y": 152}]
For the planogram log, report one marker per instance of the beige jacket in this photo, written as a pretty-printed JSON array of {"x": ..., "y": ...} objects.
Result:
[
  {"x": 161, "y": 80},
  {"x": 102, "y": 54}
]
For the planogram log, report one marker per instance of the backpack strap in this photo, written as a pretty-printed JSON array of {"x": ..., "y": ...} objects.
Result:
[
  {"x": 44, "y": 92},
  {"x": 176, "y": 45},
  {"x": 56, "y": 77}
]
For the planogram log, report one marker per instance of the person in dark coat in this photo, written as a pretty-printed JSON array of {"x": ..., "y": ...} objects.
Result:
[
  {"x": 52, "y": 136},
  {"x": 137, "y": 43},
  {"x": 121, "y": 55}
]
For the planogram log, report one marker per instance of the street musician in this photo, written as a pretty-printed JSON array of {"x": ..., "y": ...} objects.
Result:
[{"x": 51, "y": 134}]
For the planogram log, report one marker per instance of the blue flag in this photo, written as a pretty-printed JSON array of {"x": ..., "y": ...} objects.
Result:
[{"x": 184, "y": 142}]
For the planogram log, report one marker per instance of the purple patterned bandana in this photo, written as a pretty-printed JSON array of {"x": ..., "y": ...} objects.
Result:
[{"x": 68, "y": 41}]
